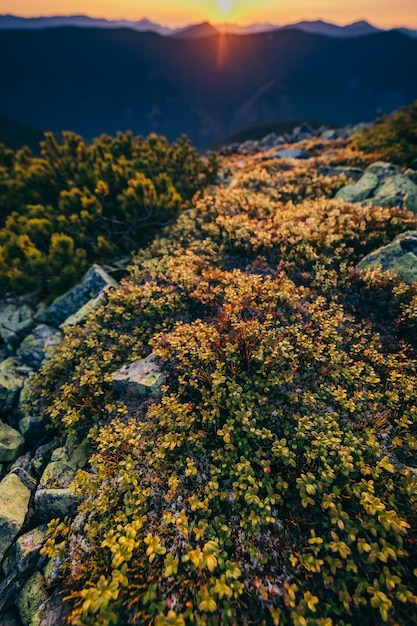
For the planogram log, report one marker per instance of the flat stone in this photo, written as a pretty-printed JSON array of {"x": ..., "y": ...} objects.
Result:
[
  {"x": 14, "y": 503},
  {"x": 11, "y": 443},
  {"x": 29, "y": 602},
  {"x": 143, "y": 378},
  {"x": 291, "y": 153}
]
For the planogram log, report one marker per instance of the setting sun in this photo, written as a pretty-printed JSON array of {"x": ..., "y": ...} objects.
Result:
[{"x": 225, "y": 5}]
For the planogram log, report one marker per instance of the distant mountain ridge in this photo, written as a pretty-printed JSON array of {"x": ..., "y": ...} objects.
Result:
[
  {"x": 205, "y": 29},
  {"x": 197, "y": 31},
  {"x": 94, "y": 80},
  {"x": 318, "y": 27},
  {"x": 13, "y": 22}
]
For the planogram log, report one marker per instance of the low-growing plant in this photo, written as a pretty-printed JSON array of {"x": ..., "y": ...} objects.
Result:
[{"x": 272, "y": 483}]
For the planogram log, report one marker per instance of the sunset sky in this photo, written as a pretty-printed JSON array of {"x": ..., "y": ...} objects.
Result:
[{"x": 384, "y": 13}]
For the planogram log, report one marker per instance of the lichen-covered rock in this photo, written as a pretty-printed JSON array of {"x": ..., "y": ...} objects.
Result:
[
  {"x": 15, "y": 322},
  {"x": 382, "y": 184},
  {"x": 14, "y": 503},
  {"x": 383, "y": 169},
  {"x": 11, "y": 382},
  {"x": 398, "y": 257},
  {"x": 398, "y": 190},
  {"x": 33, "y": 422},
  {"x": 33, "y": 348},
  {"x": 23, "y": 467},
  {"x": 32, "y": 596},
  {"x": 11, "y": 443},
  {"x": 90, "y": 286},
  {"x": 25, "y": 551},
  {"x": 10, "y": 587},
  {"x": 53, "y": 498},
  {"x": 55, "y": 502},
  {"x": 361, "y": 190},
  {"x": 141, "y": 377}
]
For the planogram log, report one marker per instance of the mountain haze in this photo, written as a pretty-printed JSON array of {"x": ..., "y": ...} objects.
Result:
[
  {"x": 105, "y": 80},
  {"x": 319, "y": 27}
]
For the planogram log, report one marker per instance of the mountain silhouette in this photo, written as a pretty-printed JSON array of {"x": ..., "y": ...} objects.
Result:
[{"x": 93, "y": 81}]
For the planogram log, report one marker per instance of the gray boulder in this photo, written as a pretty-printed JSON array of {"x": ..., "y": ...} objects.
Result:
[
  {"x": 24, "y": 468},
  {"x": 302, "y": 132},
  {"x": 383, "y": 169},
  {"x": 11, "y": 382},
  {"x": 90, "y": 286},
  {"x": 143, "y": 378},
  {"x": 32, "y": 422},
  {"x": 331, "y": 133},
  {"x": 363, "y": 188},
  {"x": 270, "y": 141},
  {"x": 33, "y": 348},
  {"x": 81, "y": 315},
  {"x": 54, "y": 611},
  {"x": 248, "y": 146},
  {"x": 53, "y": 497},
  {"x": 398, "y": 257},
  {"x": 14, "y": 504},
  {"x": 24, "y": 553},
  {"x": 15, "y": 322},
  {"x": 11, "y": 443},
  {"x": 384, "y": 185},
  {"x": 397, "y": 190}
]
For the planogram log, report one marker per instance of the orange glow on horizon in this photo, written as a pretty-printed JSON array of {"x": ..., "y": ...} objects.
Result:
[{"x": 180, "y": 12}]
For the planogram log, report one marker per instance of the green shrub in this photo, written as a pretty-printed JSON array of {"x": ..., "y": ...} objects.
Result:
[
  {"x": 393, "y": 138},
  {"x": 79, "y": 204}
]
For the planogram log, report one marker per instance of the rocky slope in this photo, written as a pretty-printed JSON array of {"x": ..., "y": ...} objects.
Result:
[{"x": 240, "y": 411}]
